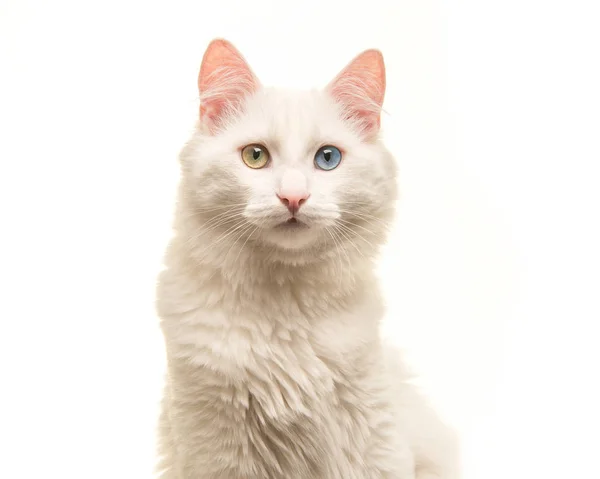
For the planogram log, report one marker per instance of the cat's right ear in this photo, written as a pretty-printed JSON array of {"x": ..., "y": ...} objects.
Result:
[{"x": 225, "y": 79}]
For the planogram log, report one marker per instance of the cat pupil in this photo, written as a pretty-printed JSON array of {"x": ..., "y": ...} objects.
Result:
[
  {"x": 256, "y": 154},
  {"x": 327, "y": 155}
]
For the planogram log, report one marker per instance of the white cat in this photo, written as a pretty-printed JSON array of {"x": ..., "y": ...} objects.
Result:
[{"x": 269, "y": 303}]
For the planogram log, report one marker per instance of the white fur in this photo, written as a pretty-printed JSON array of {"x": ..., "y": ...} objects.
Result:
[{"x": 275, "y": 365}]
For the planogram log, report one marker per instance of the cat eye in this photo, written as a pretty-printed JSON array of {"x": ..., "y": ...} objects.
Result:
[
  {"x": 328, "y": 157},
  {"x": 255, "y": 156}
]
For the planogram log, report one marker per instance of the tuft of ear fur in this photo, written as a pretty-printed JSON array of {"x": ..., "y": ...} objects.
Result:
[
  {"x": 225, "y": 79},
  {"x": 360, "y": 88}
]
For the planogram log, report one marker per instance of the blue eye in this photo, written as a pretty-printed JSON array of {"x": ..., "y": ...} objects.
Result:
[{"x": 328, "y": 157}]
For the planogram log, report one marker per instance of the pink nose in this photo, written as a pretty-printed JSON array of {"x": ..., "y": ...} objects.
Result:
[{"x": 293, "y": 202}]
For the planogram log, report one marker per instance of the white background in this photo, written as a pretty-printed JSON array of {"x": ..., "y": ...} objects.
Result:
[{"x": 492, "y": 273}]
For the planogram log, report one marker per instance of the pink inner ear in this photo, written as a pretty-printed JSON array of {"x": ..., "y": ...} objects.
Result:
[
  {"x": 225, "y": 79},
  {"x": 360, "y": 88}
]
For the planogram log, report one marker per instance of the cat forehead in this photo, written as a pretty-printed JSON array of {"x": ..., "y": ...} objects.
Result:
[{"x": 290, "y": 117}]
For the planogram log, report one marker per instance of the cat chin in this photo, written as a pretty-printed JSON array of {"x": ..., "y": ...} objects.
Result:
[{"x": 291, "y": 238}]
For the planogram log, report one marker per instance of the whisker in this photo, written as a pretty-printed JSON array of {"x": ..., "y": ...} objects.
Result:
[
  {"x": 228, "y": 233},
  {"x": 349, "y": 239},
  {"x": 235, "y": 206},
  {"x": 346, "y": 222},
  {"x": 208, "y": 228},
  {"x": 238, "y": 237},
  {"x": 342, "y": 250},
  {"x": 249, "y": 236},
  {"x": 366, "y": 217},
  {"x": 339, "y": 255}
]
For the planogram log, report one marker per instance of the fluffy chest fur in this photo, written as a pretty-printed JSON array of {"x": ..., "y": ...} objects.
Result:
[{"x": 271, "y": 391}]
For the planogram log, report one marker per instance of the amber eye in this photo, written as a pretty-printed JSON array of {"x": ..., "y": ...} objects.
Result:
[{"x": 255, "y": 156}]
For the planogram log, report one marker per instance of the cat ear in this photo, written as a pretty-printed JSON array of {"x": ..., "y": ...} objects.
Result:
[
  {"x": 225, "y": 79},
  {"x": 360, "y": 88}
]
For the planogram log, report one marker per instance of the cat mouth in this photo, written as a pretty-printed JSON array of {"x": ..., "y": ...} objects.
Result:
[{"x": 292, "y": 224}]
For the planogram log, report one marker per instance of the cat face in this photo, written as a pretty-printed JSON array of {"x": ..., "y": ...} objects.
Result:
[{"x": 296, "y": 171}]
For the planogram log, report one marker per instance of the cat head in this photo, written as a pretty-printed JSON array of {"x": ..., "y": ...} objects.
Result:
[{"x": 299, "y": 173}]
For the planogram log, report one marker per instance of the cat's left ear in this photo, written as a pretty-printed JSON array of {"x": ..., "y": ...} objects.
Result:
[
  {"x": 225, "y": 79},
  {"x": 360, "y": 88}
]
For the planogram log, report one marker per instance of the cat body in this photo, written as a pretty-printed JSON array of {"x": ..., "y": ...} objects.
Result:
[{"x": 269, "y": 303}]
